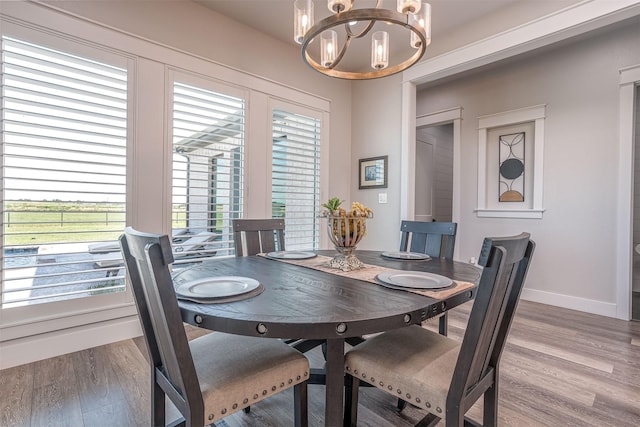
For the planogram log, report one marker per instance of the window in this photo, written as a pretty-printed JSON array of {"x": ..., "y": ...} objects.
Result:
[
  {"x": 64, "y": 128},
  {"x": 89, "y": 122},
  {"x": 295, "y": 182},
  {"x": 208, "y": 164}
]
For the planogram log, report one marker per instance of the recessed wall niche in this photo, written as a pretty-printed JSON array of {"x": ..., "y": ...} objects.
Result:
[{"x": 510, "y": 156}]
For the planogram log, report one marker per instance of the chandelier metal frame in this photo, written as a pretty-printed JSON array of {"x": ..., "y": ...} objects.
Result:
[{"x": 372, "y": 15}]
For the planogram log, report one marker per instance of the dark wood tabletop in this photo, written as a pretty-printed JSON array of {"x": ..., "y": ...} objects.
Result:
[{"x": 300, "y": 302}]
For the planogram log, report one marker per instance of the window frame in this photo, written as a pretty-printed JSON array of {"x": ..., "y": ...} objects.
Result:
[{"x": 43, "y": 317}]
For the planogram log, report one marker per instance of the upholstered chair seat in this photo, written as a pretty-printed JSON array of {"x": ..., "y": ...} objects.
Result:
[
  {"x": 411, "y": 363},
  {"x": 243, "y": 371}
]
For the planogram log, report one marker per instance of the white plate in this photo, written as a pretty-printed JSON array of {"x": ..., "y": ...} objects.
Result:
[
  {"x": 291, "y": 255},
  {"x": 414, "y": 279},
  {"x": 216, "y": 287},
  {"x": 405, "y": 255}
]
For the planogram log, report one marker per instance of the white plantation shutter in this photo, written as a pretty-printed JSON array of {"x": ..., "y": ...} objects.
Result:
[
  {"x": 295, "y": 182},
  {"x": 208, "y": 171},
  {"x": 64, "y": 128}
]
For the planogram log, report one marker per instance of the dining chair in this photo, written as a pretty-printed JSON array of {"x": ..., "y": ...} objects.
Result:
[
  {"x": 440, "y": 374},
  {"x": 211, "y": 376},
  {"x": 254, "y": 236},
  {"x": 436, "y": 239}
]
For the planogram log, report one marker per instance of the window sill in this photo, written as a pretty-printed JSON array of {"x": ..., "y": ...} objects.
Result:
[{"x": 510, "y": 213}]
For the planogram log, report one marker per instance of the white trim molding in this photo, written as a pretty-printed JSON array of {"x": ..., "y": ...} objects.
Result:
[
  {"x": 535, "y": 114},
  {"x": 571, "y": 302},
  {"x": 44, "y": 346},
  {"x": 571, "y": 21}
]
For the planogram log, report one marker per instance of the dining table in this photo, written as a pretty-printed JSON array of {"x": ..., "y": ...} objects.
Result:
[{"x": 298, "y": 301}]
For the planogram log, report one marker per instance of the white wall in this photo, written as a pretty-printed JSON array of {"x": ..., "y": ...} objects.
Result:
[
  {"x": 578, "y": 81},
  {"x": 376, "y": 124}
]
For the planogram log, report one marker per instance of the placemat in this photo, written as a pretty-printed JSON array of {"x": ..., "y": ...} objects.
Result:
[{"x": 369, "y": 272}]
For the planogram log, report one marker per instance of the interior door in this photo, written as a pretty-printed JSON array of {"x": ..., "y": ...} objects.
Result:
[
  {"x": 425, "y": 175},
  {"x": 434, "y": 173}
]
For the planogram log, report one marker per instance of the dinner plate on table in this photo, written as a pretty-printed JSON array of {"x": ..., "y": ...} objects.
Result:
[
  {"x": 291, "y": 255},
  {"x": 414, "y": 279},
  {"x": 213, "y": 289},
  {"x": 406, "y": 255}
]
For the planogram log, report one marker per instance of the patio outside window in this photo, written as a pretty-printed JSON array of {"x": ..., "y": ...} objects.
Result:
[
  {"x": 64, "y": 142},
  {"x": 208, "y": 171}
]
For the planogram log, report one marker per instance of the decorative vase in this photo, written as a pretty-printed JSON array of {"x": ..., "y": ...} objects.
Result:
[{"x": 345, "y": 233}]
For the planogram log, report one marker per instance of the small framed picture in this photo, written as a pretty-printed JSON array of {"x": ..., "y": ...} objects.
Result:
[{"x": 373, "y": 172}]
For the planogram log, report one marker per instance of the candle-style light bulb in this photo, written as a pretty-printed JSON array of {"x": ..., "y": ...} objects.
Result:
[
  {"x": 302, "y": 19},
  {"x": 328, "y": 50},
  {"x": 380, "y": 50}
]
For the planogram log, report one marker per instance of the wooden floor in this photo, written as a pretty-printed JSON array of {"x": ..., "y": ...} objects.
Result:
[{"x": 560, "y": 368}]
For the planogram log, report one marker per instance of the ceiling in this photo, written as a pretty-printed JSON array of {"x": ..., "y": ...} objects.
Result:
[{"x": 275, "y": 17}]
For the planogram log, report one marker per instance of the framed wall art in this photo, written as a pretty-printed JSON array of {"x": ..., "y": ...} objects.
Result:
[
  {"x": 372, "y": 172},
  {"x": 510, "y": 156}
]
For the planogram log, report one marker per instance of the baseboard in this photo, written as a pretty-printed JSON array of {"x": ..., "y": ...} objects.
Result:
[
  {"x": 38, "y": 347},
  {"x": 567, "y": 301}
]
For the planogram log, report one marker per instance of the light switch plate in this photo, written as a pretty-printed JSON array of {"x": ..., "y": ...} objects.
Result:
[{"x": 382, "y": 197}]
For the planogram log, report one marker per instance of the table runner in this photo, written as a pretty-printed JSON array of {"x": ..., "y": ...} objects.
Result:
[{"x": 369, "y": 272}]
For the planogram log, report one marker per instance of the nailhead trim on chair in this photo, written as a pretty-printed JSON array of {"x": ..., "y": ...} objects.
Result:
[
  {"x": 390, "y": 388},
  {"x": 256, "y": 396}
]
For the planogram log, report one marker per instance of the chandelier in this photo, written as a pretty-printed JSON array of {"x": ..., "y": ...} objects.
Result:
[{"x": 320, "y": 49}]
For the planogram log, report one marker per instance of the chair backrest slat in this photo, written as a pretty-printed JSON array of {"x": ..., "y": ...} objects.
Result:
[
  {"x": 258, "y": 235},
  {"x": 436, "y": 239},
  {"x": 147, "y": 258},
  {"x": 505, "y": 261}
]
